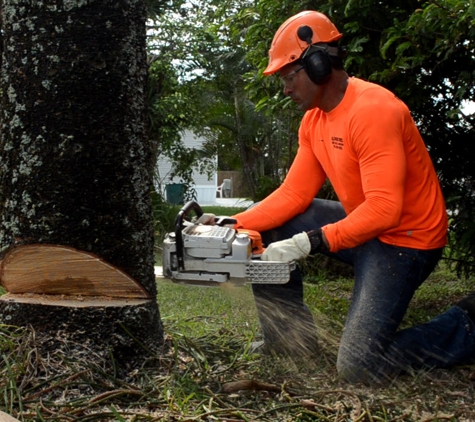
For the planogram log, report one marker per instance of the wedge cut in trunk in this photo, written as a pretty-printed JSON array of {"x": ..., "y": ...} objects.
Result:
[{"x": 62, "y": 270}]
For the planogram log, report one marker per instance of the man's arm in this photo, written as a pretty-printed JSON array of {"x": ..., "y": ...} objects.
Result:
[{"x": 303, "y": 181}]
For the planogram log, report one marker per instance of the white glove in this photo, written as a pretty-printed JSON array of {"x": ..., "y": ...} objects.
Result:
[
  {"x": 293, "y": 249},
  {"x": 207, "y": 219}
]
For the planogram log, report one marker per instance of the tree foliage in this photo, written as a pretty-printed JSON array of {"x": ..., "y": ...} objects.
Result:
[
  {"x": 177, "y": 59},
  {"x": 209, "y": 73}
]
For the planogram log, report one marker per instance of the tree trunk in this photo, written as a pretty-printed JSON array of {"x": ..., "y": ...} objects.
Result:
[
  {"x": 75, "y": 165},
  {"x": 246, "y": 153}
]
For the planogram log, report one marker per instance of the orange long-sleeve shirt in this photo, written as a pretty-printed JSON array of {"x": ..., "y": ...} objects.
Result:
[{"x": 371, "y": 151}]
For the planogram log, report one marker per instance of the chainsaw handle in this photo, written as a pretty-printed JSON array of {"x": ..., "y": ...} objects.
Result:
[
  {"x": 185, "y": 210},
  {"x": 221, "y": 221}
]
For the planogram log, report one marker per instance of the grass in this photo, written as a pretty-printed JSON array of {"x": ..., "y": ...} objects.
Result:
[
  {"x": 305, "y": 391},
  {"x": 206, "y": 372},
  {"x": 232, "y": 308}
]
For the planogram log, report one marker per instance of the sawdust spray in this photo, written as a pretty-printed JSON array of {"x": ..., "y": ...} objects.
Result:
[{"x": 285, "y": 328}]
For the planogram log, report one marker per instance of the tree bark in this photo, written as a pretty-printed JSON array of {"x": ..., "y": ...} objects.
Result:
[{"x": 75, "y": 165}]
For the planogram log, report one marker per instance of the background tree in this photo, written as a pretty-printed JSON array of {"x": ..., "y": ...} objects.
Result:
[
  {"x": 241, "y": 135},
  {"x": 209, "y": 96},
  {"x": 177, "y": 51}
]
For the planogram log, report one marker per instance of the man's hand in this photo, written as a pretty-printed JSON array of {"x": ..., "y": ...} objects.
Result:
[
  {"x": 207, "y": 219},
  {"x": 212, "y": 220},
  {"x": 293, "y": 249}
]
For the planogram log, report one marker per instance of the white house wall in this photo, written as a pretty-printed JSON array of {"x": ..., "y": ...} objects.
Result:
[{"x": 204, "y": 187}]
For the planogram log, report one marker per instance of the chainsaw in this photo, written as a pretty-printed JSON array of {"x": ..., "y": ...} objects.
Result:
[{"x": 211, "y": 255}]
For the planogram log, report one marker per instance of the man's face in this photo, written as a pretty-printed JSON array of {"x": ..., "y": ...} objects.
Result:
[{"x": 298, "y": 86}]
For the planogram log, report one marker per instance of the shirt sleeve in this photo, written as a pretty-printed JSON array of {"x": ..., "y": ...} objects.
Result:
[{"x": 303, "y": 181}]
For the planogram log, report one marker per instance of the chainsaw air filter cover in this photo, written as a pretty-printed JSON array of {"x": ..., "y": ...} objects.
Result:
[{"x": 202, "y": 241}]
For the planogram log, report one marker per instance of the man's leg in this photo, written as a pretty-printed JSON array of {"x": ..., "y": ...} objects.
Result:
[
  {"x": 286, "y": 322},
  {"x": 386, "y": 278}
]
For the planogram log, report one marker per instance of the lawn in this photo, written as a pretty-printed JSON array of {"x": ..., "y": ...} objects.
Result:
[{"x": 277, "y": 389}]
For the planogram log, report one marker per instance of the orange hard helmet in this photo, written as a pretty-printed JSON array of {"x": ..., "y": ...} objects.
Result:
[{"x": 287, "y": 46}]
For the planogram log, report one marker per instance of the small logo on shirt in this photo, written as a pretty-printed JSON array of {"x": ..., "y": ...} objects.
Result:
[{"x": 337, "y": 142}]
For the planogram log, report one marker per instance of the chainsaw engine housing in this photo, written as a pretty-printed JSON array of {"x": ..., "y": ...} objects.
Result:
[{"x": 211, "y": 255}]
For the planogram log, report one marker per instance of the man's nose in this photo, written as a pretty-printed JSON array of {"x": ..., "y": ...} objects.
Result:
[{"x": 287, "y": 89}]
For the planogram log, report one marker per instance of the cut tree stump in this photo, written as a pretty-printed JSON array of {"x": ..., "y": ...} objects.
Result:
[
  {"x": 77, "y": 296},
  {"x": 108, "y": 323}
]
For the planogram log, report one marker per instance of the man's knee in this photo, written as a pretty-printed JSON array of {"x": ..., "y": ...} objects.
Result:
[
  {"x": 367, "y": 364},
  {"x": 358, "y": 364},
  {"x": 350, "y": 368}
]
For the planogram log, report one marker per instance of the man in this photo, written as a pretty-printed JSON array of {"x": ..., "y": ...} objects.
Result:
[{"x": 390, "y": 223}]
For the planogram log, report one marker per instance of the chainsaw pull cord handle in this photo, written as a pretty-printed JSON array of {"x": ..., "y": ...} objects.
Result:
[{"x": 188, "y": 207}]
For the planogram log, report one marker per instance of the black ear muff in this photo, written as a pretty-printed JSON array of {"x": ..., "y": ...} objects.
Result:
[
  {"x": 315, "y": 59},
  {"x": 317, "y": 65}
]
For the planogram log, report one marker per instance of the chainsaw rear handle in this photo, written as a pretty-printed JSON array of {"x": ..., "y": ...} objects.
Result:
[
  {"x": 184, "y": 211},
  {"x": 193, "y": 206}
]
